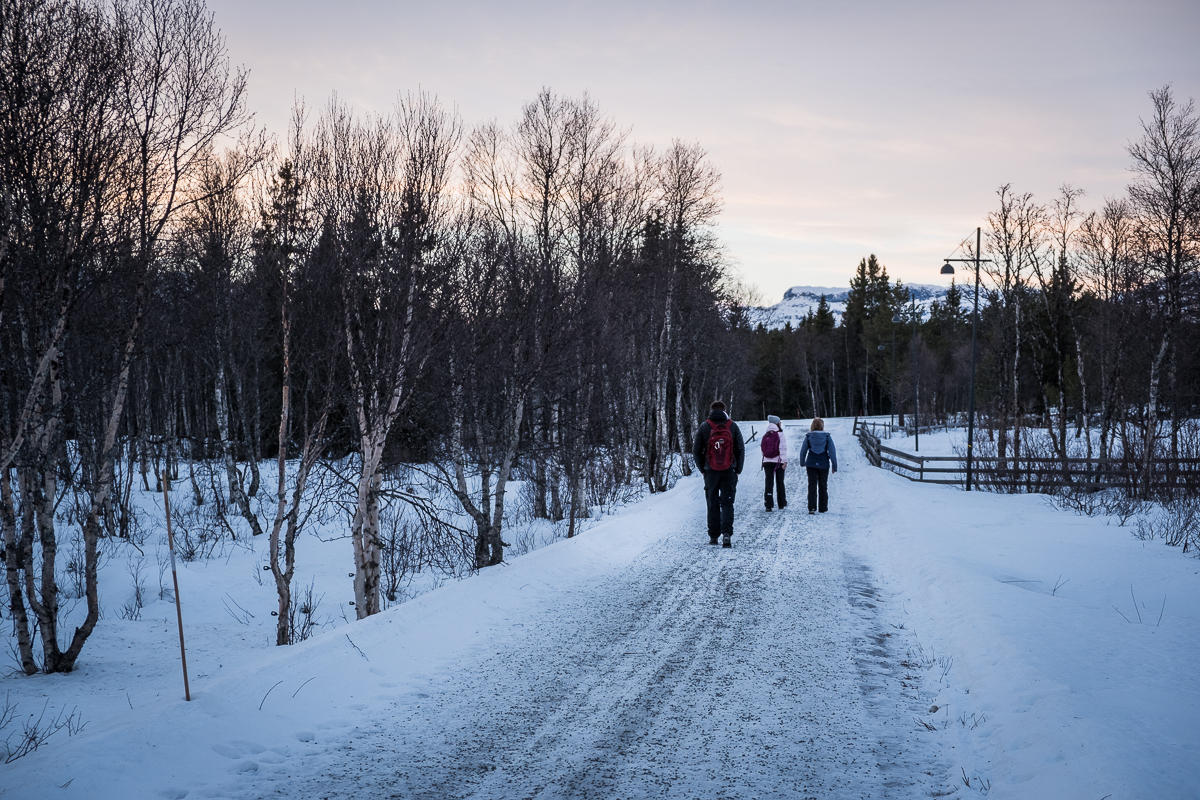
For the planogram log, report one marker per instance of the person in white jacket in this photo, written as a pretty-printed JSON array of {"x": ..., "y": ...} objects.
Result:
[{"x": 774, "y": 462}]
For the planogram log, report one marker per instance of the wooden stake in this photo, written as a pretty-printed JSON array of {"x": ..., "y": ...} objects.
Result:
[{"x": 166, "y": 485}]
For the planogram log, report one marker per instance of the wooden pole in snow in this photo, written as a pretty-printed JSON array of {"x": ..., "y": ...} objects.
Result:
[{"x": 166, "y": 484}]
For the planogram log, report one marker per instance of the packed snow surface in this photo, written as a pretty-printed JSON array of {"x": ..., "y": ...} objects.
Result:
[{"x": 638, "y": 661}]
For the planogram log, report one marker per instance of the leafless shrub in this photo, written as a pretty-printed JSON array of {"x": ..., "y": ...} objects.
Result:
[
  {"x": 75, "y": 585},
  {"x": 536, "y": 535},
  {"x": 209, "y": 476},
  {"x": 33, "y": 732},
  {"x": 133, "y": 609},
  {"x": 521, "y": 512},
  {"x": 262, "y": 568},
  {"x": 134, "y": 527},
  {"x": 1176, "y": 522},
  {"x": 198, "y": 532},
  {"x": 1107, "y": 502},
  {"x": 605, "y": 486},
  {"x": 165, "y": 592},
  {"x": 302, "y": 615},
  {"x": 412, "y": 542}
]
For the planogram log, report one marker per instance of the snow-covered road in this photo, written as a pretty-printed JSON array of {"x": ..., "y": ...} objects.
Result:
[
  {"x": 916, "y": 641},
  {"x": 693, "y": 671}
]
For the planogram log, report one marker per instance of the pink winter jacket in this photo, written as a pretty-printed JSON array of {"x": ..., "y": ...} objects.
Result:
[{"x": 782, "y": 457}]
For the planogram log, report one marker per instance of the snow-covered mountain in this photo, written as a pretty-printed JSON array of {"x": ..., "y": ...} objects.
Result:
[{"x": 799, "y": 301}]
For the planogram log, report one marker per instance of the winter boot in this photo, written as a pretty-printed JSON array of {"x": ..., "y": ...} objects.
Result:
[
  {"x": 727, "y": 541},
  {"x": 714, "y": 539}
]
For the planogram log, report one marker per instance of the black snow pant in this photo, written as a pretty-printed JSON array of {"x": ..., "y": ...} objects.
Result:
[
  {"x": 719, "y": 491},
  {"x": 774, "y": 472},
  {"x": 818, "y": 482}
]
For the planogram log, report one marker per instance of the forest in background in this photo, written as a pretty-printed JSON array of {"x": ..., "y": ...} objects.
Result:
[
  {"x": 544, "y": 300},
  {"x": 1087, "y": 320}
]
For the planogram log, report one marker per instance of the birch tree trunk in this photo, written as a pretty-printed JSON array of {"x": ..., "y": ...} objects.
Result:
[
  {"x": 100, "y": 495},
  {"x": 16, "y": 544},
  {"x": 1150, "y": 434},
  {"x": 1081, "y": 373},
  {"x": 237, "y": 496}
]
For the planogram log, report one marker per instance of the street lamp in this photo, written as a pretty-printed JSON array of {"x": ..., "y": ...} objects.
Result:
[
  {"x": 895, "y": 321},
  {"x": 916, "y": 396},
  {"x": 948, "y": 269}
]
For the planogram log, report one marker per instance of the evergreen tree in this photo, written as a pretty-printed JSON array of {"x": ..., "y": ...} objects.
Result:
[
  {"x": 820, "y": 320},
  {"x": 870, "y": 292}
]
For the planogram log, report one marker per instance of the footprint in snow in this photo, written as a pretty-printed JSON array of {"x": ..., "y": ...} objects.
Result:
[
  {"x": 238, "y": 748},
  {"x": 227, "y": 751},
  {"x": 172, "y": 794}
]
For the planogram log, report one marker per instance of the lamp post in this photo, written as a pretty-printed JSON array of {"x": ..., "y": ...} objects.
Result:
[
  {"x": 948, "y": 269},
  {"x": 895, "y": 321},
  {"x": 916, "y": 396}
]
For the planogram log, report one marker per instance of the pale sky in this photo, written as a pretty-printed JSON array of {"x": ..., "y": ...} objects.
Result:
[{"x": 840, "y": 128}]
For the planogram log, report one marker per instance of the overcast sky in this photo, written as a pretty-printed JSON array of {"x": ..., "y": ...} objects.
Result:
[{"x": 840, "y": 128}]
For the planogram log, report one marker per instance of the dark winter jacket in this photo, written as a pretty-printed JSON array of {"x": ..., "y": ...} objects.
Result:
[
  {"x": 816, "y": 445},
  {"x": 700, "y": 447}
]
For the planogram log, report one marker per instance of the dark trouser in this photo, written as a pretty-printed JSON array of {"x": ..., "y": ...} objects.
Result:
[
  {"x": 774, "y": 473},
  {"x": 818, "y": 479},
  {"x": 719, "y": 491}
]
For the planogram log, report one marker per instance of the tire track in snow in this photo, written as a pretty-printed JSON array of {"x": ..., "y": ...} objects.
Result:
[{"x": 700, "y": 672}]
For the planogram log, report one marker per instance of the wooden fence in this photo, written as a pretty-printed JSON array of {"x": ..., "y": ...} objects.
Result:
[{"x": 1031, "y": 474}]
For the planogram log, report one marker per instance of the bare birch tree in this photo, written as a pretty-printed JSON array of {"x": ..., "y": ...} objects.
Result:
[
  {"x": 1110, "y": 274},
  {"x": 1013, "y": 239},
  {"x": 1165, "y": 196},
  {"x": 380, "y": 188},
  {"x": 128, "y": 103}
]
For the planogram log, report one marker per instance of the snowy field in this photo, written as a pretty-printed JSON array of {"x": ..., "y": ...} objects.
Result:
[{"x": 916, "y": 641}]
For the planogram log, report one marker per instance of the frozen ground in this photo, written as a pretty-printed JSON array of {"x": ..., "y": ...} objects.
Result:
[{"x": 636, "y": 661}]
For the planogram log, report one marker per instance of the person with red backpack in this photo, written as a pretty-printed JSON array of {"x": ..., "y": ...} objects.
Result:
[
  {"x": 774, "y": 461},
  {"x": 720, "y": 453}
]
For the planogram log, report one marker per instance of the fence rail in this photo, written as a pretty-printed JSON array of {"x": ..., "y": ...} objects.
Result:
[{"x": 1031, "y": 474}]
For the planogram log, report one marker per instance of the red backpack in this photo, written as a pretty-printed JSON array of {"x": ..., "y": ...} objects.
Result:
[
  {"x": 770, "y": 445},
  {"x": 720, "y": 446}
]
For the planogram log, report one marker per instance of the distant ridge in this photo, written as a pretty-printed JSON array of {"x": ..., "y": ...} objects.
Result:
[{"x": 799, "y": 301}]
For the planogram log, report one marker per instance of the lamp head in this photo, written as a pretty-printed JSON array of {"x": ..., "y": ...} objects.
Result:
[{"x": 947, "y": 269}]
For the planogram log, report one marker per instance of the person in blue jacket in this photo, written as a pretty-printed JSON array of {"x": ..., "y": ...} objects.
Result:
[{"x": 818, "y": 454}]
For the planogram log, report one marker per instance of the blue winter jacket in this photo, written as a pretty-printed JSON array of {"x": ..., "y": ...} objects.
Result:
[{"x": 818, "y": 451}]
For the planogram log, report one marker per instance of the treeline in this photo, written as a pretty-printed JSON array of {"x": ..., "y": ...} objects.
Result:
[
  {"x": 543, "y": 299},
  {"x": 1087, "y": 329}
]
